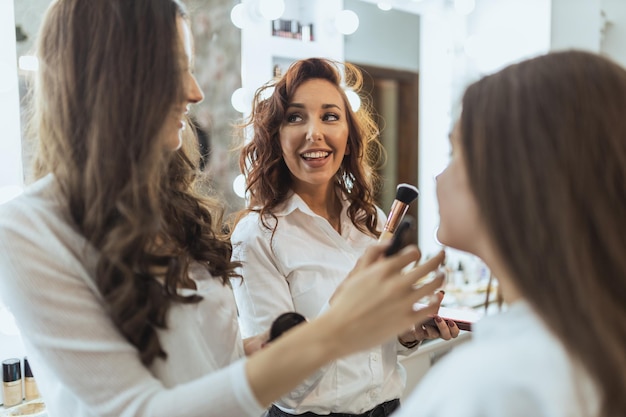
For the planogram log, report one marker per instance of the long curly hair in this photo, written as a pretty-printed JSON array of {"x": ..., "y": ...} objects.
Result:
[
  {"x": 261, "y": 159},
  {"x": 109, "y": 75},
  {"x": 544, "y": 143}
]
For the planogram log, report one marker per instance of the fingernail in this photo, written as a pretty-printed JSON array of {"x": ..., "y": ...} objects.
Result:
[
  {"x": 442, "y": 292},
  {"x": 438, "y": 319},
  {"x": 450, "y": 323}
]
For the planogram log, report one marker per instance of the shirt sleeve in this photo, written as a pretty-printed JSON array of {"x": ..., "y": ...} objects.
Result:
[
  {"x": 263, "y": 292},
  {"x": 68, "y": 333}
]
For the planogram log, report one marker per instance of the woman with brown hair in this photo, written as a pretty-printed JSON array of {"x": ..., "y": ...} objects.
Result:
[
  {"x": 115, "y": 268},
  {"x": 311, "y": 179},
  {"x": 536, "y": 188}
]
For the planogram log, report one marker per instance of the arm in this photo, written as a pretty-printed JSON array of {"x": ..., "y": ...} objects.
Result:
[
  {"x": 263, "y": 294},
  {"x": 373, "y": 304},
  {"x": 75, "y": 349}
]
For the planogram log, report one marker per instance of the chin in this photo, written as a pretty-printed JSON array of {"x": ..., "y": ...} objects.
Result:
[{"x": 174, "y": 142}]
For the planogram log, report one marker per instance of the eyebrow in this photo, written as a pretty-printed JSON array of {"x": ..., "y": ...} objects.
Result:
[{"x": 324, "y": 106}]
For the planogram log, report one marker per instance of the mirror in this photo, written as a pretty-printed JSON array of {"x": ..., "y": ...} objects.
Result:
[{"x": 419, "y": 55}]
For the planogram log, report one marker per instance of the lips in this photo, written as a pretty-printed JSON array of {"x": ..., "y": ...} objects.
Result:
[{"x": 313, "y": 155}]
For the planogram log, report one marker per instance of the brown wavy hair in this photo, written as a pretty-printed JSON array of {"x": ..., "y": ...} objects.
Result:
[
  {"x": 109, "y": 75},
  {"x": 261, "y": 160},
  {"x": 545, "y": 146}
]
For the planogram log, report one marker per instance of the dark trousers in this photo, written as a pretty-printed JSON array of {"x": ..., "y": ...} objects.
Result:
[{"x": 381, "y": 410}]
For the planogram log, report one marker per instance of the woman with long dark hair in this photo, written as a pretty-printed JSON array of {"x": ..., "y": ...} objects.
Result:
[
  {"x": 536, "y": 188},
  {"x": 116, "y": 270}
]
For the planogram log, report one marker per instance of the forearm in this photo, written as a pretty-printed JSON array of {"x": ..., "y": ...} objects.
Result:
[{"x": 293, "y": 357}]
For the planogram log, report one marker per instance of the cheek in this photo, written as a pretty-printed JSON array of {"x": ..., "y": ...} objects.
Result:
[{"x": 457, "y": 211}]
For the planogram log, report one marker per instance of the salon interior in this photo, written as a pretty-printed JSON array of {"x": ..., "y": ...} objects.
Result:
[{"x": 417, "y": 57}]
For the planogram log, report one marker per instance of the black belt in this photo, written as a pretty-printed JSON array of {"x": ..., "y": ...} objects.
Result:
[{"x": 381, "y": 410}]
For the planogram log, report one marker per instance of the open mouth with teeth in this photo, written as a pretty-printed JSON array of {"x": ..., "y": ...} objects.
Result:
[{"x": 310, "y": 156}]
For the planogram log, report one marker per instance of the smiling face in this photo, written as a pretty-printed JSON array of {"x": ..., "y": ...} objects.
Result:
[
  {"x": 175, "y": 123},
  {"x": 314, "y": 135}
]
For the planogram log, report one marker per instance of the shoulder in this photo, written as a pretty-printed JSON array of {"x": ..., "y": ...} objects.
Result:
[
  {"x": 249, "y": 227},
  {"x": 512, "y": 364},
  {"x": 34, "y": 212}
]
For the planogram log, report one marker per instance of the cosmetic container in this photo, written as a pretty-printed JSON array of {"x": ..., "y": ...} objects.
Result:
[
  {"x": 12, "y": 382},
  {"x": 30, "y": 386}
]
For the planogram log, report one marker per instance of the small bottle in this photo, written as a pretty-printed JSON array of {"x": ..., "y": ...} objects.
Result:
[
  {"x": 30, "y": 386},
  {"x": 12, "y": 382}
]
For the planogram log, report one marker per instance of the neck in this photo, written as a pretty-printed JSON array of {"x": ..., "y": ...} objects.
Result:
[
  {"x": 324, "y": 203},
  {"x": 501, "y": 272}
]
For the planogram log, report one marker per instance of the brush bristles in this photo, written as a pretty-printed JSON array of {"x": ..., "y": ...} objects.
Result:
[{"x": 406, "y": 193}]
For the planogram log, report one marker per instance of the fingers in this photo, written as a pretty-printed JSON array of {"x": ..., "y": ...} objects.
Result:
[
  {"x": 422, "y": 271},
  {"x": 454, "y": 329},
  {"x": 443, "y": 328}
]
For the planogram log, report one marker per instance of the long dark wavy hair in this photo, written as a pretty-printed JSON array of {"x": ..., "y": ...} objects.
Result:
[
  {"x": 110, "y": 72},
  {"x": 261, "y": 160},
  {"x": 545, "y": 146}
]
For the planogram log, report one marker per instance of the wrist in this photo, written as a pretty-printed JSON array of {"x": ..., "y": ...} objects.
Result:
[{"x": 409, "y": 339}]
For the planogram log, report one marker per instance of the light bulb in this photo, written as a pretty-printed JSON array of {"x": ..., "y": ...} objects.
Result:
[
  {"x": 354, "y": 100},
  {"x": 239, "y": 186},
  {"x": 28, "y": 63},
  {"x": 238, "y": 15},
  {"x": 240, "y": 101},
  {"x": 271, "y": 9},
  {"x": 347, "y": 22}
]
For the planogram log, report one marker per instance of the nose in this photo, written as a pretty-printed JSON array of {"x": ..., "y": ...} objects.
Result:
[
  {"x": 194, "y": 92},
  {"x": 313, "y": 132}
]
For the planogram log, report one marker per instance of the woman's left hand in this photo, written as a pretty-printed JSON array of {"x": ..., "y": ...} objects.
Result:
[{"x": 444, "y": 329}]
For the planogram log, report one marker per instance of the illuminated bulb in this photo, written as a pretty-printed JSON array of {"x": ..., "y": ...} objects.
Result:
[
  {"x": 238, "y": 15},
  {"x": 384, "y": 5},
  {"x": 239, "y": 186},
  {"x": 28, "y": 63},
  {"x": 267, "y": 93},
  {"x": 271, "y": 9},
  {"x": 354, "y": 100},
  {"x": 464, "y": 7},
  {"x": 239, "y": 100},
  {"x": 347, "y": 22}
]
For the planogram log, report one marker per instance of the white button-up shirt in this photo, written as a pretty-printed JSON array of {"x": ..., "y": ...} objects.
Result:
[
  {"x": 83, "y": 365},
  {"x": 298, "y": 270}
]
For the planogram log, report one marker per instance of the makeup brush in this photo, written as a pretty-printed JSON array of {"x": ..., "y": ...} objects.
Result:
[{"x": 405, "y": 195}]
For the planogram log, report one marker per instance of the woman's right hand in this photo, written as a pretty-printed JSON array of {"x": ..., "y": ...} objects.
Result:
[
  {"x": 374, "y": 304},
  {"x": 376, "y": 301}
]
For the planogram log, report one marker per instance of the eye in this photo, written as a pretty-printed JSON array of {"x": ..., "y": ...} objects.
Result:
[
  {"x": 293, "y": 118},
  {"x": 330, "y": 117}
]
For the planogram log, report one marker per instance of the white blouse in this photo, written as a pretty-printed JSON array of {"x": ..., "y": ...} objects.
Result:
[
  {"x": 513, "y": 366},
  {"x": 298, "y": 271},
  {"x": 83, "y": 365}
]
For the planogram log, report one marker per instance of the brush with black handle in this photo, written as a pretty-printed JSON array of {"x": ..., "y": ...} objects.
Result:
[{"x": 405, "y": 195}]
